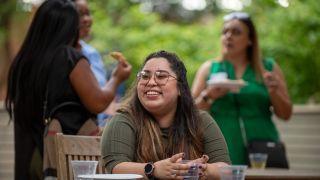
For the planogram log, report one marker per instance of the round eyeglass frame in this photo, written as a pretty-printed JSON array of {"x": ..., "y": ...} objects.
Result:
[{"x": 155, "y": 75}]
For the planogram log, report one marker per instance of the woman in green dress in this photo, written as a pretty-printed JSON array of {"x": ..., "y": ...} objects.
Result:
[{"x": 252, "y": 106}]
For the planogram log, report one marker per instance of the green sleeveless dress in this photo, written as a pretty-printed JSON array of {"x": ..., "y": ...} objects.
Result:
[{"x": 252, "y": 104}]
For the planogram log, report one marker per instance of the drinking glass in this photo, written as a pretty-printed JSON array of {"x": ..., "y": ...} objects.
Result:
[
  {"x": 258, "y": 160},
  {"x": 234, "y": 172},
  {"x": 83, "y": 168},
  {"x": 193, "y": 173}
]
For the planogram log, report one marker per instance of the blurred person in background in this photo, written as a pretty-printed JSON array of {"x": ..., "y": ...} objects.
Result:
[
  {"x": 95, "y": 59},
  {"x": 50, "y": 84},
  {"x": 248, "y": 111}
]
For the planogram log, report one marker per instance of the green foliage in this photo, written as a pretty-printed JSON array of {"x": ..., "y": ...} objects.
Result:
[
  {"x": 6, "y": 10},
  {"x": 290, "y": 35},
  {"x": 137, "y": 34}
]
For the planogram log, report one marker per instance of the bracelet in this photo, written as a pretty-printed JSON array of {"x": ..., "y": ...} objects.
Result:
[{"x": 206, "y": 99}]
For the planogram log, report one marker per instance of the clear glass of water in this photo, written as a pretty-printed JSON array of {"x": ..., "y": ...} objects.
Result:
[
  {"x": 83, "y": 168},
  {"x": 193, "y": 173},
  {"x": 233, "y": 172}
]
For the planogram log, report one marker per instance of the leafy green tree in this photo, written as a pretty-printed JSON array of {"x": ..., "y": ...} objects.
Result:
[
  {"x": 137, "y": 34},
  {"x": 292, "y": 36},
  {"x": 7, "y": 10}
]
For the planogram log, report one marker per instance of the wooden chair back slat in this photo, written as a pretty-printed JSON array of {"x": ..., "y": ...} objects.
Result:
[{"x": 74, "y": 147}]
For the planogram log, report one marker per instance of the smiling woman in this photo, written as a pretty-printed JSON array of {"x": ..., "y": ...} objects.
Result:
[
  {"x": 158, "y": 125},
  {"x": 159, "y": 95}
]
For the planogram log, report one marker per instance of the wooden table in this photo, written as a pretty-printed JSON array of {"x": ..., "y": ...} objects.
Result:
[{"x": 281, "y": 174}]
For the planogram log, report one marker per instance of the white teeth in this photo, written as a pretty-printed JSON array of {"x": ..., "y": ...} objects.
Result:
[{"x": 152, "y": 93}]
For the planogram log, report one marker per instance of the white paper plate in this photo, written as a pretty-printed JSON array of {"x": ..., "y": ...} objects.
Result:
[
  {"x": 227, "y": 83},
  {"x": 111, "y": 176}
]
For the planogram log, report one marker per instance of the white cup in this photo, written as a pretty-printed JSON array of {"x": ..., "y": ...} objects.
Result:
[
  {"x": 234, "y": 172},
  {"x": 83, "y": 168}
]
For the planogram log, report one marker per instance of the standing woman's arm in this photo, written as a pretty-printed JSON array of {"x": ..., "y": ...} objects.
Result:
[
  {"x": 94, "y": 98},
  {"x": 205, "y": 95},
  {"x": 278, "y": 91},
  {"x": 198, "y": 90}
]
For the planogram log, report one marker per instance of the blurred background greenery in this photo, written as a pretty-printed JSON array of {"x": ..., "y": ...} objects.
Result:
[{"x": 289, "y": 31}]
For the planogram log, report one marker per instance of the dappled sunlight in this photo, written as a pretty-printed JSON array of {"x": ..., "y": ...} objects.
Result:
[
  {"x": 284, "y": 3},
  {"x": 194, "y": 4}
]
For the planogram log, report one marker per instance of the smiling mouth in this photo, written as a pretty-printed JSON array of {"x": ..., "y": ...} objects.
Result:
[{"x": 152, "y": 93}]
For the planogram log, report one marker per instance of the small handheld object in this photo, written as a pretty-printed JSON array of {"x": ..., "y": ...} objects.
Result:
[{"x": 119, "y": 57}]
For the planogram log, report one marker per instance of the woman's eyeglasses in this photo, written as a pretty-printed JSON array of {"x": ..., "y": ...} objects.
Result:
[
  {"x": 161, "y": 77},
  {"x": 236, "y": 15}
]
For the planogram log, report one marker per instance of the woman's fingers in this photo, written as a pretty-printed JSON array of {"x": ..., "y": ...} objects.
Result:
[
  {"x": 175, "y": 157},
  {"x": 216, "y": 92},
  {"x": 271, "y": 80},
  {"x": 119, "y": 57},
  {"x": 123, "y": 69},
  {"x": 204, "y": 159},
  {"x": 178, "y": 174},
  {"x": 181, "y": 172}
]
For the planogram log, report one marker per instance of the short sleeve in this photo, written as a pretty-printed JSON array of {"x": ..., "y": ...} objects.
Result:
[
  {"x": 59, "y": 86},
  {"x": 73, "y": 56},
  {"x": 65, "y": 59},
  {"x": 214, "y": 143},
  {"x": 118, "y": 141}
]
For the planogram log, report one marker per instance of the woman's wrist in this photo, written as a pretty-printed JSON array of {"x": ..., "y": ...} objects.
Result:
[
  {"x": 156, "y": 169},
  {"x": 115, "y": 81},
  {"x": 212, "y": 170},
  {"x": 205, "y": 98}
]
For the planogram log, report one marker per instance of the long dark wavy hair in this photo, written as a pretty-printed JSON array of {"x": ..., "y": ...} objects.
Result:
[
  {"x": 184, "y": 135},
  {"x": 54, "y": 25}
]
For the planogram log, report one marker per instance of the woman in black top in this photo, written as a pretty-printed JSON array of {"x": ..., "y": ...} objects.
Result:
[{"x": 49, "y": 68}]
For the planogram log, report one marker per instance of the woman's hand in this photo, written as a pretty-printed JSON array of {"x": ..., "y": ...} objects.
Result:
[
  {"x": 201, "y": 162},
  {"x": 272, "y": 81},
  {"x": 123, "y": 69},
  {"x": 207, "y": 170},
  {"x": 170, "y": 168},
  {"x": 278, "y": 92},
  {"x": 216, "y": 92},
  {"x": 211, "y": 171}
]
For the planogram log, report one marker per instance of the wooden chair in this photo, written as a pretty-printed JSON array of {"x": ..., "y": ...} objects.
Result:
[{"x": 75, "y": 147}]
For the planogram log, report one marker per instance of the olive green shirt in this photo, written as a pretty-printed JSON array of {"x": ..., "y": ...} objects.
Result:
[{"x": 118, "y": 142}]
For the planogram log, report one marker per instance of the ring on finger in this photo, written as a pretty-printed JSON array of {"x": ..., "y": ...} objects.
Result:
[{"x": 174, "y": 172}]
